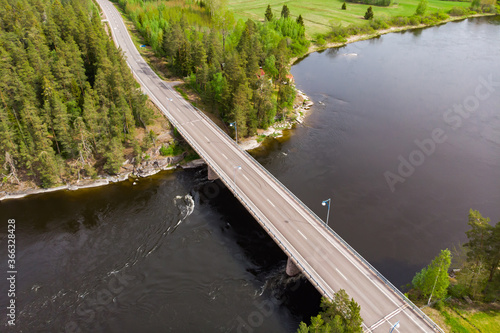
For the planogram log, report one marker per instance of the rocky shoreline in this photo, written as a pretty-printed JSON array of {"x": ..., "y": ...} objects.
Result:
[
  {"x": 145, "y": 169},
  {"x": 158, "y": 163},
  {"x": 301, "y": 108}
]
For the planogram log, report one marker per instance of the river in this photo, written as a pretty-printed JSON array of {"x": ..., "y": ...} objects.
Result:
[{"x": 176, "y": 253}]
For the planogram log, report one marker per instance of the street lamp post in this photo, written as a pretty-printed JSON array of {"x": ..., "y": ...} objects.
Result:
[
  {"x": 396, "y": 325},
  {"x": 327, "y": 203},
  {"x": 235, "y": 129},
  {"x": 234, "y": 177}
]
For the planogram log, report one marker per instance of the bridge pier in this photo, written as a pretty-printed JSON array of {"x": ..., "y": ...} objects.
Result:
[
  {"x": 291, "y": 268},
  {"x": 212, "y": 175}
]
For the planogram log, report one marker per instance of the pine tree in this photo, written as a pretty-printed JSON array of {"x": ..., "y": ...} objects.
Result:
[
  {"x": 48, "y": 168},
  {"x": 338, "y": 315},
  {"x": 242, "y": 108},
  {"x": 114, "y": 156},
  {"x": 269, "y": 13},
  {"x": 285, "y": 12},
  {"x": 344, "y": 6},
  {"x": 199, "y": 54},
  {"x": 477, "y": 235},
  {"x": 483, "y": 244},
  {"x": 369, "y": 13},
  {"x": 493, "y": 251},
  {"x": 214, "y": 49},
  {"x": 265, "y": 109},
  {"x": 300, "y": 20}
]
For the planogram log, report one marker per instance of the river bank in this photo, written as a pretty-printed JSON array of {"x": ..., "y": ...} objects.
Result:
[
  {"x": 128, "y": 172},
  {"x": 301, "y": 107},
  {"x": 158, "y": 163},
  {"x": 356, "y": 38}
]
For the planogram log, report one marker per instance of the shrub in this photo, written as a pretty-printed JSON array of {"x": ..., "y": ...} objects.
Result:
[
  {"x": 382, "y": 3},
  {"x": 369, "y": 13},
  {"x": 421, "y": 8},
  {"x": 414, "y": 20},
  {"x": 489, "y": 9},
  {"x": 320, "y": 41},
  {"x": 337, "y": 34},
  {"x": 172, "y": 150},
  {"x": 457, "y": 11},
  {"x": 377, "y": 24},
  {"x": 440, "y": 15},
  {"x": 476, "y": 5},
  {"x": 399, "y": 21},
  {"x": 457, "y": 290},
  {"x": 439, "y": 305}
]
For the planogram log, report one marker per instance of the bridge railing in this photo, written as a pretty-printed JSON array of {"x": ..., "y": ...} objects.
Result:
[
  {"x": 292, "y": 196},
  {"x": 227, "y": 182},
  {"x": 233, "y": 189},
  {"x": 328, "y": 228}
]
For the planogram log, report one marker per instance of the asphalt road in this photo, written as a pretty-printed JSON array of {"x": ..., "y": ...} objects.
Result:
[{"x": 322, "y": 256}]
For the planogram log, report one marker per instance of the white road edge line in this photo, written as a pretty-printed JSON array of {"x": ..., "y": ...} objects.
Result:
[{"x": 299, "y": 210}]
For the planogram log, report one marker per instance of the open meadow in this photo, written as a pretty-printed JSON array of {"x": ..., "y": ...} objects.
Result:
[{"x": 319, "y": 15}]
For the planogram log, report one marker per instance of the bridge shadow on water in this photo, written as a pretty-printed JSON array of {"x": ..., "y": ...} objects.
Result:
[{"x": 264, "y": 259}]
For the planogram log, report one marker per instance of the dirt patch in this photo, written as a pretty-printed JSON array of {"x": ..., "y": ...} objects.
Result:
[{"x": 436, "y": 316}]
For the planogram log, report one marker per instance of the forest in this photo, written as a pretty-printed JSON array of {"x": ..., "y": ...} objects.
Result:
[
  {"x": 70, "y": 108},
  {"x": 69, "y": 105},
  {"x": 240, "y": 69}
]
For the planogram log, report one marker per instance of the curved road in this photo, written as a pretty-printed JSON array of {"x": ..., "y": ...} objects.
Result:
[{"x": 325, "y": 259}]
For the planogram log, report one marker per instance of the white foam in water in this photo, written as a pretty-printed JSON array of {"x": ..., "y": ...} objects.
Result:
[{"x": 186, "y": 209}]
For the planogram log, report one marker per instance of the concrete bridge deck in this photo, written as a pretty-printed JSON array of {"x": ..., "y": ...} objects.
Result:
[{"x": 323, "y": 257}]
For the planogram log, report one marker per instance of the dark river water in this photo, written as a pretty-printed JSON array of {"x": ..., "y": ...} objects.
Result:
[{"x": 404, "y": 137}]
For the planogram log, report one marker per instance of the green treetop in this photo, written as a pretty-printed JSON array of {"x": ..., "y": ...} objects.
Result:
[
  {"x": 269, "y": 13},
  {"x": 285, "y": 12},
  {"x": 433, "y": 280},
  {"x": 369, "y": 13}
]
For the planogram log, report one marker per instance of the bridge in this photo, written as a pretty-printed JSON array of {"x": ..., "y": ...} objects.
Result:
[{"x": 327, "y": 261}]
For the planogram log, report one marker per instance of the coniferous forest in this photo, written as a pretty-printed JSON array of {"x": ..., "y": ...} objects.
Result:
[
  {"x": 68, "y": 102},
  {"x": 239, "y": 68},
  {"x": 69, "y": 106}
]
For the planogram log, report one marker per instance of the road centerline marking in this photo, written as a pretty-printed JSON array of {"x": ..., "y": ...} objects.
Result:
[
  {"x": 341, "y": 274},
  {"x": 271, "y": 203},
  {"x": 302, "y": 234},
  {"x": 343, "y": 250}
]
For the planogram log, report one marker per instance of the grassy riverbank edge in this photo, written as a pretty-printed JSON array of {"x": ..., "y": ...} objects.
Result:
[
  {"x": 456, "y": 316},
  {"x": 377, "y": 33},
  {"x": 302, "y": 105}
]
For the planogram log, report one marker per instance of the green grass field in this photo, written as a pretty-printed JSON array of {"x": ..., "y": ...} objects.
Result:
[
  {"x": 320, "y": 14},
  {"x": 466, "y": 319}
]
